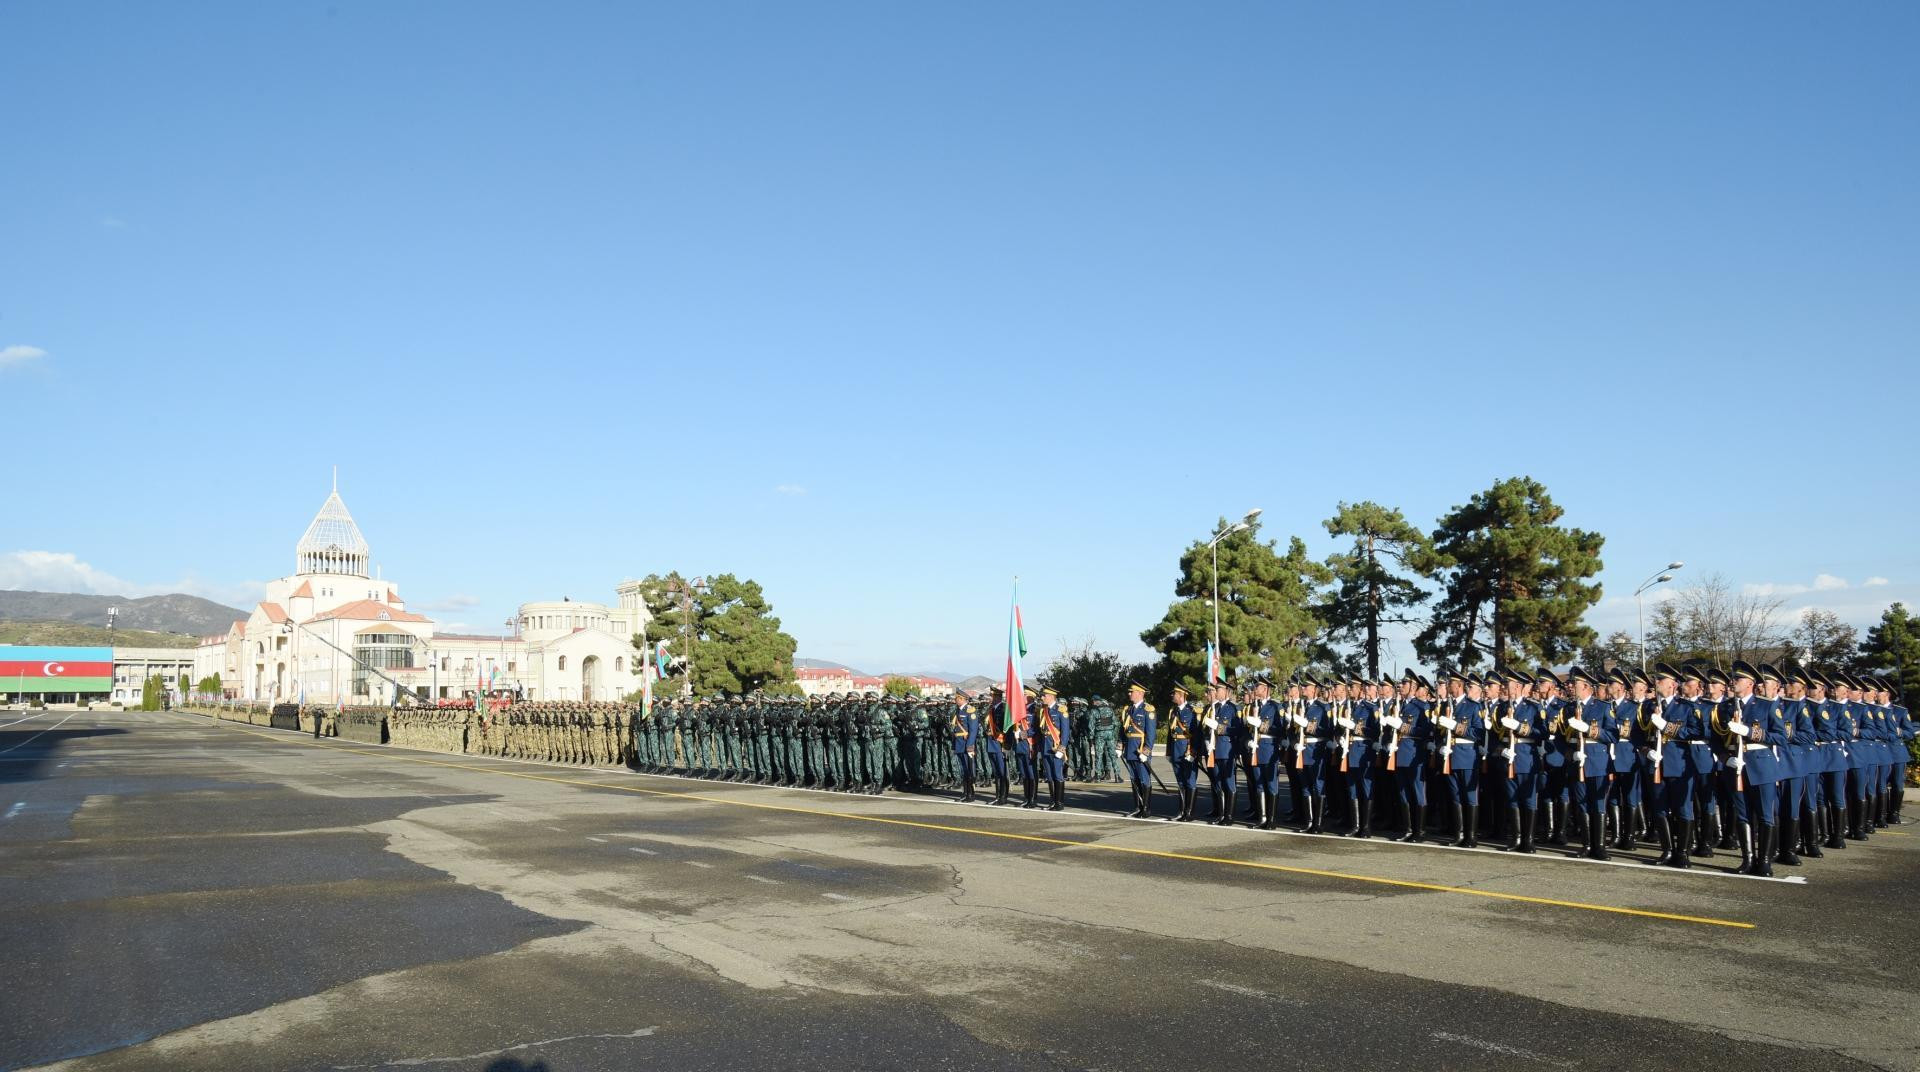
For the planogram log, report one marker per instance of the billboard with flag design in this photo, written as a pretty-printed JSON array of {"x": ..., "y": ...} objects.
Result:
[{"x": 27, "y": 669}]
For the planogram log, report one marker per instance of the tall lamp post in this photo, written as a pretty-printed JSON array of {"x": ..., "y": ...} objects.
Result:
[
  {"x": 1213, "y": 549},
  {"x": 1661, "y": 577}
]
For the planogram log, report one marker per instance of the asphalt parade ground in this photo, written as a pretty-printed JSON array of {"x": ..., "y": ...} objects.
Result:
[{"x": 181, "y": 893}]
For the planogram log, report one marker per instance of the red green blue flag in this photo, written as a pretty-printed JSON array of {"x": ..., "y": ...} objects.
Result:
[{"x": 1016, "y": 650}]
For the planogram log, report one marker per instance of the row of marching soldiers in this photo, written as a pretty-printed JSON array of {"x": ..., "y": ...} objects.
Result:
[{"x": 1779, "y": 765}]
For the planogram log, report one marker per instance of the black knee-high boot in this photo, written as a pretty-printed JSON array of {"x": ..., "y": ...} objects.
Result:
[
  {"x": 1664, "y": 834},
  {"x": 1513, "y": 830},
  {"x": 1682, "y": 832},
  {"x": 1784, "y": 854}
]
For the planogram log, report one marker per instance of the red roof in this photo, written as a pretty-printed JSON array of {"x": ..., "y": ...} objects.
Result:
[
  {"x": 275, "y": 613},
  {"x": 817, "y": 673},
  {"x": 368, "y": 610},
  {"x": 305, "y": 591}
]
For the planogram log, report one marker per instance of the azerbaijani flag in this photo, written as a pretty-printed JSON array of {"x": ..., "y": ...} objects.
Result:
[
  {"x": 1215, "y": 673},
  {"x": 660, "y": 657},
  {"x": 31, "y": 668},
  {"x": 1016, "y": 650}
]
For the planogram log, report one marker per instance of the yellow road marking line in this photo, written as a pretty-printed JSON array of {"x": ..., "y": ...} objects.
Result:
[{"x": 1039, "y": 839}]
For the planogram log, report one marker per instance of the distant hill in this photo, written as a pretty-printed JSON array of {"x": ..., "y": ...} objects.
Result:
[
  {"x": 828, "y": 664},
  {"x": 69, "y": 635},
  {"x": 976, "y": 683},
  {"x": 175, "y": 613}
]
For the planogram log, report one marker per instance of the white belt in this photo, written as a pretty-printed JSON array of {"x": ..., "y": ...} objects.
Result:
[
  {"x": 1756, "y": 748},
  {"x": 1309, "y": 740}
]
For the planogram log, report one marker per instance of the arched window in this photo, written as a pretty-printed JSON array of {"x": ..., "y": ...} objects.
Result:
[
  {"x": 563, "y": 662},
  {"x": 619, "y": 664}
]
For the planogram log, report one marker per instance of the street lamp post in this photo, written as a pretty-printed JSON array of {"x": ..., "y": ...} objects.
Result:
[
  {"x": 1213, "y": 550},
  {"x": 1639, "y": 611}
]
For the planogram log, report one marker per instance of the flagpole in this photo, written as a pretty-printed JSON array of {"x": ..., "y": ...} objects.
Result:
[{"x": 1213, "y": 548}]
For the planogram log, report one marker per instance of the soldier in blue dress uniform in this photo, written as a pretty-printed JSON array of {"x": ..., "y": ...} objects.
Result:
[
  {"x": 1521, "y": 733},
  {"x": 964, "y": 730},
  {"x": 1220, "y": 722},
  {"x": 1750, "y": 728},
  {"x": 1625, "y": 766},
  {"x": 1830, "y": 760},
  {"x": 1362, "y": 731},
  {"x": 996, "y": 738},
  {"x": 1183, "y": 751},
  {"x": 1859, "y": 739},
  {"x": 1900, "y": 722},
  {"x": 1563, "y": 792},
  {"x": 1052, "y": 738},
  {"x": 1136, "y": 748},
  {"x": 1461, "y": 731},
  {"x": 1264, "y": 774},
  {"x": 1586, "y": 723},
  {"x": 1313, "y": 735},
  {"x": 1412, "y": 731},
  {"x": 1667, "y": 728},
  {"x": 1796, "y": 772}
]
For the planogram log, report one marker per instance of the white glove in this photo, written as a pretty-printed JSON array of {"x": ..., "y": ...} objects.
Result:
[
  {"x": 1449, "y": 721},
  {"x": 1300, "y": 721},
  {"x": 1344, "y": 723},
  {"x": 1737, "y": 727},
  {"x": 1659, "y": 723},
  {"x": 1506, "y": 753},
  {"x": 1578, "y": 725},
  {"x": 1510, "y": 722},
  {"x": 1391, "y": 721}
]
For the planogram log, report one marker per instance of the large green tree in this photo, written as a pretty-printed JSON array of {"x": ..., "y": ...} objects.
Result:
[
  {"x": 1267, "y": 599},
  {"x": 736, "y": 643},
  {"x": 1824, "y": 642},
  {"x": 1371, "y": 582},
  {"x": 1894, "y": 645},
  {"x": 1514, "y": 581},
  {"x": 1086, "y": 672}
]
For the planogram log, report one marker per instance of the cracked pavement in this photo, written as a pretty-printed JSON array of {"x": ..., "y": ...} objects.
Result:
[{"x": 176, "y": 892}]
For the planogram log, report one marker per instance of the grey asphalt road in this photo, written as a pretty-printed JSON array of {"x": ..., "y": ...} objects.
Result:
[{"x": 184, "y": 894}]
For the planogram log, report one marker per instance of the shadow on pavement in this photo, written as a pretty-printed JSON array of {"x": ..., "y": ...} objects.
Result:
[{"x": 25, "y": 752}]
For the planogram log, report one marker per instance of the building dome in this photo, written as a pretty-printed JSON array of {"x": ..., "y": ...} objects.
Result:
[{"x": 333, "y": 543}]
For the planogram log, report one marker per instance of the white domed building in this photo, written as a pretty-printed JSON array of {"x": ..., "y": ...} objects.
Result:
[{"x": 335, "y": 631}]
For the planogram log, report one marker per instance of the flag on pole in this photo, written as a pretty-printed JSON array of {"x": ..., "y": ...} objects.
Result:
[
  {"x": 1016, "y": 650},
  {"x": 1216, "y": 675},
  {"x": 646, "y": 690},
  {"x": 660, "y": 658}
]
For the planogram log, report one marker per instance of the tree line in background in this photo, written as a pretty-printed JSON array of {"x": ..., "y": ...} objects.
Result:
[{"x": 1498, "y": 580}]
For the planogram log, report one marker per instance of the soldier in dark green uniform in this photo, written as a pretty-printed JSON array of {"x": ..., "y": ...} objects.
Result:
[{"x": 1106, "y": 743}]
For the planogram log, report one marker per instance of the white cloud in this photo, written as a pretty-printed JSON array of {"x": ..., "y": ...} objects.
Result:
[
  {"x": 63, "y": 571},
  {"x": 19, "y": 355},
  {"x": 1827, "y": 582},
  {"x": 791, "y": 489},
  {"x": 1874, "y": 582},
  {"x": 57, "y": 571}
]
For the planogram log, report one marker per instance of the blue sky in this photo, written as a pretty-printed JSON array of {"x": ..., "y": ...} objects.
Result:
[{"x": 882, "y": 304}]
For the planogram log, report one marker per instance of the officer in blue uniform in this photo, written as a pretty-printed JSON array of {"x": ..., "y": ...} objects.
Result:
[
  {"x": 996, "y": 736},
  {"x": 1624, "y": 767},
  {"x": 1462, "y": 729},
  {"x": 1701, "y": 761},
  {"x": 964, "y": 729},
  {"x": 1220, "y": 722},
  {"x": 1900, "y": 721},
  {"x": 1313, "y": 733},
  {"x": 1860, "y": 752},
  {"x": 1892, "y": 744},
  {"x": 1750, "y": 728},
  {"x": 1025, "y": 714},
  {"x": 1183, "y": 751},
  {"x": 1051, "y": 741},
  {"x": 1362, "y": 731},
  {"x": 1264, "y": 775},
  {"x": 1666, "y": 730},
  {"x": 1561, "y": 753},
  {"x": 1587, "y": 723},
  {"x": 1522, "y": 734},
  {"x": 1412, "y": 730},
  {"x": 1136, "y": 748},
  {"x": 1796, "y": 766},
  {"x": 1830, "y": 761}
]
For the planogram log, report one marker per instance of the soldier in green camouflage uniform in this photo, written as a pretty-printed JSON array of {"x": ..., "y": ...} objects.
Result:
[
  {"x": 1079, "y": 740},
  {"x": 1106, "y": 756}
]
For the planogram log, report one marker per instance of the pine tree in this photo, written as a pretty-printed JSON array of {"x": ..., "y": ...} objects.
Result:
[
  {"x": 1514, "y": 580},
  {"x": 1267, "y": 619},
  {"x": 1369, "y": 592},
  {"x": 1894, "y": 645},
  {"x": 737, "y": 645}
]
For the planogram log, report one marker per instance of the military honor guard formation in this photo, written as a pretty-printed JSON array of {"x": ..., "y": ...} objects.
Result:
[{"x": 1775, "y": 766}]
